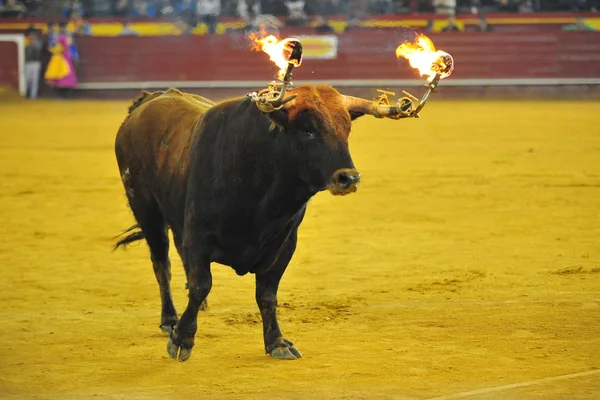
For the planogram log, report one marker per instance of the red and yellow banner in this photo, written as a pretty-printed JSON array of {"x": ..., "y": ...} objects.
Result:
[{"x": 323, "y": 47}]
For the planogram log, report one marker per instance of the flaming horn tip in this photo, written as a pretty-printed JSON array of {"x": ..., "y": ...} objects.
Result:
[{"x": 287, "y": 54}]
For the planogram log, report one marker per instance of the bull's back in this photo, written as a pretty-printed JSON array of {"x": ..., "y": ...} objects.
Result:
[{"x": 152, "y": 145}]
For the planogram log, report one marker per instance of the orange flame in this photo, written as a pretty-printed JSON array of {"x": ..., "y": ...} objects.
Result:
[
  {"x": 423, "y": 56},
  {"x": 278, "y": 50}
]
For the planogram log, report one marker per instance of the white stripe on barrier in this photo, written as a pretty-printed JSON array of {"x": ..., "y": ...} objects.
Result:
[{"x": 394, "y": 83}]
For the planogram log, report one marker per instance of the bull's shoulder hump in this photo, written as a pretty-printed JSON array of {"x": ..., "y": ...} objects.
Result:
[
  {"x": 174, "y": 104},
  {"x": 191, "y": 97}
]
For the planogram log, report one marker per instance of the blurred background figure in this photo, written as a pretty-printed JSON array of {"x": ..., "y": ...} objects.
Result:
[
  {"x": 165, "y": 9},
  {"x": 60, "y": 73},
  {"x": 482, "y": 24},
  {"x": 99, "y": 8},
  {"x": 274, "y": 7},
  {"x": 357, "y": 9},
  {"x": 13, "y": 9},
  {"x": 34, "y": 7},
  {"x": 188, "y": 19},
  {"x": 328, "y": 7},
  {"x": 63, "y": 29},
  {"x": 509, "y": 5},
  {"x": 33, "y": 62},
  {"x": 353, "y": 24},
  {"x": 257, "y": 21},
  {"x": 122, "y": 8},
  {"x": 474, "y": 6},
  {"x": 80, "y": 26},
  {"x": 72, "y": 6},
  {"x": 382, "y": 6},
  {"x": 127, "y": 30},
  {"x": 52, "y": 34},
  {"x": 429, "y": 27},
  {"x": 245, "y": 7},
  {"x": 185, "y": 5},
  {"x": 143, "y": 9},
  {"x": 451, "y": 26},
  {"x": 209, "y": 12},
  {"x": 296, "y": 15},
  {"x": 447, "y": 7},
  {"x": 322, "y": 26},
  {"x": 584, "y": 5},
  {"x": 579, "y": 25}
]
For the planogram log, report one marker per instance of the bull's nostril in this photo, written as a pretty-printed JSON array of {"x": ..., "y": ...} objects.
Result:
[{"x": 344, "y": 179}]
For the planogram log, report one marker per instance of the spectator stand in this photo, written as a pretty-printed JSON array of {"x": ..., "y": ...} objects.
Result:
[{"x": 339, "y": 23}]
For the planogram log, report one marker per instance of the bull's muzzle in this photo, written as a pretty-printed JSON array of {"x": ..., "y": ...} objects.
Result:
[{"x": 344, "y": 181}]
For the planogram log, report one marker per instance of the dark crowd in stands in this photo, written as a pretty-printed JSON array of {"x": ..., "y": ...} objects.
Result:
[{"x": 295, "y": 11}]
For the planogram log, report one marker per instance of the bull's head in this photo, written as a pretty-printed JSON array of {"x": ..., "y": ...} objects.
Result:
[
  {"x": 315, "y": 124},
  {"x": 312, "y": 131},
  {"x": 317, "y": 119}
]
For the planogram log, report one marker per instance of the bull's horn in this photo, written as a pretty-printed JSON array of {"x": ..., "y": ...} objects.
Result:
[
  {"x": 355, "y": 104},
  {"x": 379, "y": 108},
  {"x": 278, "y": 104},
  {"x": 272, "y": 98},
  {"x": 270, "y": 106}
]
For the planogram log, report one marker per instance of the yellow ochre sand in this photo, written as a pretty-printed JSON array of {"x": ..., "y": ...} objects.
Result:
[{"x": 468, "y": 259}]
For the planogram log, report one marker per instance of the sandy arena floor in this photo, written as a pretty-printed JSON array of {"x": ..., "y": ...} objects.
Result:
[{"x": 467, "y": 265}]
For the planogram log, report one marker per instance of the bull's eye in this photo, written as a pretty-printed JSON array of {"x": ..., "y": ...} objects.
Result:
[{"x": 309, "y": 135}]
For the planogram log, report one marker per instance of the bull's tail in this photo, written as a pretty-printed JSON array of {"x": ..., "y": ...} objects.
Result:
[{"x": 135, "y": 234}]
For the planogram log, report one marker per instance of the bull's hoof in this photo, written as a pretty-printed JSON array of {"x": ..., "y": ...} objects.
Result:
[
  {"x": 283, "y": 349},
  {"x": 176, "y": 351}
]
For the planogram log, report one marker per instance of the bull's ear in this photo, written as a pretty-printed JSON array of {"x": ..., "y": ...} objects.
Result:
[
  {"x": 355, "y": 114},
  {"x": 279, "y": 118}
]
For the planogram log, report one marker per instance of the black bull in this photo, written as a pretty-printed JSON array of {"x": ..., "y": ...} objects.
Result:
[{"x": 232, "y": 183}]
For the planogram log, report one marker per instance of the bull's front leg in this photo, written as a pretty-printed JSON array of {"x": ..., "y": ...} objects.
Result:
[
  {"x": 267, "y": 284},
  {"x": 181, "y": 338}
]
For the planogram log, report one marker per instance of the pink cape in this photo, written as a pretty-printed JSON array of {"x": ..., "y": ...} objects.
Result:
[{"x": 69, "y": 81}]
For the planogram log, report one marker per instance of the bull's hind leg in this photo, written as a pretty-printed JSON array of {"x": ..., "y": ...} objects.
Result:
[
  {"x": 158, "y": 241},
  {"x": 155, "y": 232},
  {"x": 267, "y": 284}
]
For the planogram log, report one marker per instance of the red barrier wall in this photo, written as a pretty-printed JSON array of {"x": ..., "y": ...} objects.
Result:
[
  {"x": 361, "y": 55},
  {"x": 365, "y": 54},
  {"x": 9, "y": 67}
]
